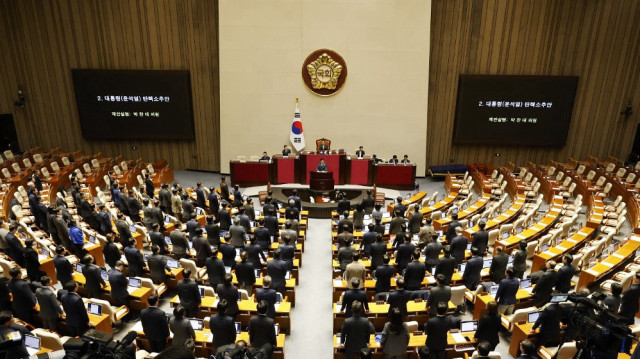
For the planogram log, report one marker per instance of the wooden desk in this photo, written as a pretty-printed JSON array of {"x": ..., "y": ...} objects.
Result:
[
  {"x": 285, "y": 169},
  {"x": 520, "y": 333},
  {"x": 609, "y": 264},
  {"x": 395, "y": 176},
  {"x": 415, "y": 198},
  {"x": 505, "y": 217},
  {"x": 250, "y": 173},
  {"x": 568, "y": 245},
  {"x": 443, "y": 223},
  {"x": 360, "y": 171},
  {"x": 482, "y": 299},
  {"x": 336, "y": 163}
]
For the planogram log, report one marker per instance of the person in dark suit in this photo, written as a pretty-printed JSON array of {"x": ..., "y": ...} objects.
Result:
[
  {"x": 262, "y": 332},
  {"x": 228, "y": 291},
  {"x": 157, "y": 239},
  {"x": 286, "y": 151},
  {"x": 149, "y": 188},
  {"x": 188, "y": 209},
  {"x": 322, "y": 165},
  {"x": 165, "y": 198},
  {"x": 451, "y": 230},
  {"x": 458, "y": 245},
  {"x": 134, "y": 207},
  {"x": 255, "y": 253},
  {"x": 446, "y": 265},
  {"x": 436, "y": 330},
  {"x": 437, "y": 294},
  {"x": 50, "y": 309},
  {"x": 245, "y": 273},
  {"x": 399, "y": 298},
  {"x": 123, "y": 229},
  {"x": 94, "y": 282},
  {"x": 213, "y": 231},
  {"x": 368, "y": 202},
  {"x": 77, "y": 317},
  {"x": 202, "y": 248},
  {"x": 135, "y": 259},
  {"x": 355, "y": 332},
  {"x": 351, "y": 295},
  {"x": 527, "y": 350},
  {"x": 224, "y": 217},
  {"x": 520, "y": 260},
  {"x": 64, "y": 269},
  {"x": 61, "y": 228},
  {"x": 180, "y": 327},
  {"x": 543, "y": 289},
  {"x": 31, "y": 261},
  {"x": 192, "y": 226},
  {"x": 215, "y": 268},
  {"x": 155, "y": 325},
  {"x": 200, "y": 196},
  {"x": 484, "y": 348},
  {"x": 368, "y": 238},
  {"x": 432, "y": 253},
  {"x": 383, "y": 274},
  {"x": 612, "y": 301},
  {"x": 238, "y": 233},
  {"x": 222, "y": 326},
  {"x": 360, "y": 152},
  {"x": 344, "y": 236},
  {"x": 16, "y": 249},
  {"x": 480, "y": 239},
  {"x": 277, "y": 269},
  {"x": 565, "y": 274},
  {"x": 262, "y": 236},
  {"x": 189, "y": 294},
  {"x": 119, "y": 284},
  {"x": 549, "y": 324},
  {"x": 296, "y": 199},
  {"x": 179, "y": 242},
  {"x": 157, "y": 266},
  {"x": 224, "y": 189},
  {"x": 228, "y": 253},
  {"x": 404, "y": 252},
  {"x": 345, "y": 255},
  {"x": 415, "y": 221},
  {"x": 397, "y": 223},
  {"x": 104, "y": 218},
  {"x": 111, "y": 251},
  {"x": 471, "y": 275},
  {"x": 377, "y": 251},
  {"x": 498, "y": 265},
  {"x": 9, "y": 328},
  {"x": 345, "y": 224},
  {"x": 414, "y": 273},
  {"x": 630, "y": 299},
  {"x": 146, "y": 214},
  {"x": 507, "y": 290},
  {"x": 268, "y": 295},
  {"x": 214, "y": 202},
  {"x": 237, "y": 196}
]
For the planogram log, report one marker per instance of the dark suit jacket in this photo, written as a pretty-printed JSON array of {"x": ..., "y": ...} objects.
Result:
[
  {"x": 134, "y": 208},
  {"x": 105, "y": 222},
  {"x": 223, "y": 329},
  {"x": 215, "y": 271},
  {"x": 368, "y": 238},
  {"x": 165, "y": 198},
  {"x": 378, "y": 250},
  {"x": 349, "y": 297},
  {"x": 404, "y": 254},
  {"x": 507, "y": 290},
  {"x": 202, "y": 247},
  {"x": 214, "y": 204},
  {"x": 179, "y": 242},
  {"x": 23, "y": 298},
  {"x": 563, "y": 282},
  {"x": 157, "y": 268},
  {"x": 277, "y": 270},
  {"x": 432, "y": 253},
  {"x": 520, "y": 260},
  {"x": 271, "y": 223},
  {"x": 480, "y": 240},
  {"x": 228, "y": 254},
  {"x": 16, "y": 249},
  {"x": 415, "y": 222},
  {"x": 437, "y": 294},
  {"x": 629, "y": 301},
  {"x": 399, "y": 299},
  {"x": 123, "y": 230},
  {"x": 446, "y": 266},
  {"x": 245, "y": 273},
  {"x": 73, "y": 305},
  {"x": 154, "y": 323},
  {"x": 383, "y": 276},
  {"x": 543, "y": 289},
  {"x": 343, "y": 205},
  {"x": 229, "y": 293},
  {"x": 49, "y": 307},
  {"x": 414, "y": 274},
  {"x": 263, "y": 238},
  {"x": 261, "y": 331},
  {"x": 549, "y": 324},
  {"x": 458, "y": 247},
  {"x": 157, "y": 239},
  {"x": 255, "y": 253},
  {"x": 345, "y": 256},
  {"x": 436, "y": 330},
  {"x": 355, "y": 334},
  {"x": 111, "y": 254},
  {"x": 225, "y": 219},
  {"x": 498, "y": 267},
  {"x": 93, "y": 279},
  {"x": 213, "y": 233},
  {"x": 200, "y": 198},
  {"x": 471, "y": 275},
  {"x": 118, "y": 283},
  {"x": 396, "y": 225},
  {"x": 270, "y": 296},
  {"x": 192, "y": 225},
  {"x": 187, "y": 208},
  {"x": 451, "y": 230},
  {"x": 64, "y": 269},
  {"x": 189, "y": 293},
  {"x": 488, "y": 328},
  {"x": 135, "y": 260}
]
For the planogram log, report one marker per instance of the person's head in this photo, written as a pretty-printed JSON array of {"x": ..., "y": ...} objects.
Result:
[
  {"x": 523, "y": 245},
  {"x": 178, "y": 312},
  {"x": 120, "y": 215},
  {"x": 13, "y": 227},
  {"x": 406, "y": 156},
  {"x": 492, "y": 307},
  {"x": 395, "y": 317},
  {"x": 440, "y": 278},
  {"x": 567, "y": 259},
  {"x": 423, "y": 352},
  {"x": 355, "y": 282},
  {"x": 527, "y": 347},
  {"x": 71, "y": 286},
  {"x": 379, "y": 237},
  {"x": 499, "y": 249},
  {"x": 447, "y": 251},
  {"x": 15, "y": 272},
  {"x": 551, "y": 264},
  {"x": 356, "y": 308},
  {"x": 484, "y": 348},
  {"x": 361, "y": 148},
  {"x": 474, "y": 251},
  {"x": 509, "y": 272},
  {"x": 458, "y": 231},
  {"x": 88, "y": 259},
  {"x": 6, "y": 318},
  {"x": 386, "y": 259},
  {"x": 186, "y": 273},
  {"x": 244, "y": 255},
  {"x": 356, "y": 256},
  {"x": 266, "y": 281},
  {"x": 482, "y": 225},
  {"x": 616, "y": 289},
  {"x": 322, "y": 160},
  {"x": 262, "y": 307},
  {"x": 277, "y": 253},
  {"x": 120, "y": 267},
  {"x": 109, "y": 237},
  {"x": 153, "y": 300},
  {"x": 28, "y": 243},
  {"x": 454, "y": 216},
  {"x": 415, "y": 255},
  {"x": 222, "y": 306},
  {"x": 441, "y": 308},
  {"x": 145, "y": 202},
  {"x": 228, "y": 278},
  {"x": 155, "y": 249},
  {"x": 155, "y": 227},
  {"x": 400, "y": 283}
]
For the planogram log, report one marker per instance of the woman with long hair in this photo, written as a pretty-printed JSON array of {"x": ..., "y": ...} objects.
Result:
[{"x": 395, "y": 336}]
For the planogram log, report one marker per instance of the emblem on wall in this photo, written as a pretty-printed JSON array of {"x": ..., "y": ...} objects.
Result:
[{"x": 324, "y": 72}]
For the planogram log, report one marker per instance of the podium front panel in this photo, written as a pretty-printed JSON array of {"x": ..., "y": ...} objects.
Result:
[
  {"x": 250, "y": 173},
  {"x": 360, "y": 171},
  {"x": 396, "y": 176},
  {"x": 285, "y": 169}
]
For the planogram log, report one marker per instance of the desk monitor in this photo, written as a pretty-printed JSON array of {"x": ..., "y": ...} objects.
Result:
[
  {"x": 167, "y": 240},
  {"x": 239, "y": 296},
  {"x": 484, "y": 219},
  {"x": 201, "y": 291},
  {"x": 135, "y": 282},
  {"x": 432, "y": 202},
  {"x": 387, "y": 226},
  {"x": 493, "y": 290},
  {"x": 455, "y": 210},
  {"x": 533, "y": 316},
  {"x": 199, "y": 211},
  {"x": 487, "y": 263},
  {"x": 146, "y": 257},
  {"x": 32, "y": 343},
  {"x": 519, "y": 229},
  {"x": 258, "y": 272},
  {"x": 104, "y": 275},
  {"x": 378, "y": 338},
  {"x": 467, "y": 326},
  {"x": 238, "y": 251},
  {"x": 44, "y": 252},
  {"x": 95, "y": 309},
  {"x": 132, "y": 228},
  {"x": 525, "y": 283},
  {"x": 559, "y": 298},
  {"x": 461, "y": 267},
  {"x": 287, "y": 276},
  {"x": 167, "y": 219},
  {"x": 544, "y": 247},
  {"x": 227, "y": 269},
  {"x": 78, "y": 267},
  {"x": 172, "y": 263},
  {"x": 510, "y": 261},
  {"x": 440, "y": 233},
  {"x": 196, "y": 324},
  {"x": 277, "y": 329},
  {"x": 278, "y": 297},
  {"x": 469, "y": 246},
  {"x": 505, "y": 235},
  {"x": 238, "y": 327},
  {"x": 92, "y": 239}
]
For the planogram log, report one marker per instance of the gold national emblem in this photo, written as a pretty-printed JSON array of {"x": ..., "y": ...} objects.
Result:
[{"x": 324, "y": 72}]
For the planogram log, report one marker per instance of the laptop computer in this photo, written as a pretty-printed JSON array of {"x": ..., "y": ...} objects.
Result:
[
  {"x": 493, "y": 290},
  {"x": 167, "y": 219},
  {"x": 167, "y": 240},
  {"x": 95, "y": 309},
  {"x": 238, "y": 327},
  {"x": 510, "y": 261},
  {"x": 433, "y": 271},
  {"x": 525, "y": 283},
  {"x": 505, "y": 235},
  {"x": 559, "y": 298},
  {"x": 227, "y": 269},
  {"x": 92, "y": 239},
  {"x": 132, "y": 228},
  {"x": 32, "y": 343},
  {"x": 196, "y": 324},
  {"x": 104, "y": 275},
  {"x": 134, "y": 283},
  {"x": 199, "y": 211},
  {"x": 201, "y": 289},
  {"x": 469, "y": 246},
  {"x": 533, "y": 316},
  {"x": 544, "y": 247},
  {"x": 258, "y": 272},
  {"x": 467, "y": 326},
  {"x": 461, "y": 267},
  {"x": 487, "y": 263},
  {"x": 78, "y": 267}
]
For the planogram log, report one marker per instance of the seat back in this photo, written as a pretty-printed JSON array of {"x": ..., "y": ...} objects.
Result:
[
  {"x": 16, "y": 167},
  {"x": 55, "y": 167},
  {"x": 48, "y": 339},
  {"x": 621, "y": 172},
  {"x": 580, "y": 170},
  {"x": 208, "y": 291},
  {"x": 436, "y": 215},
  {"x": 27, "y": 163},
  {"x": 457, "y": 295},
  {"x": 551, "y": 171},
  {"x": 87, "y": 168},
  {"x": 559, "y": 176},
  {"x": 38, "y": 158},
  {"x": 607, "y": 188},
  {"x": 493, "y": 236},
  {"x": 6, "y": 173},
  {"x": 244, "y": 295},
  {"x": 65, "y": 161},
  {"x": 150, "y": 169},
  {"x": 531, "y": 249},
  {"x": 124, "y": 166},
  {"x": 95, "y": 163},
  {"x": 610, "y": 167},
  {"x": 567, "y": 351},
  {"x": 591, "y": 175},
  {"x": 6, "y": 266},
  {"x": 45, "y": 173},
  {"x": 8, "y": 155},
  {"x": 630, "y": 178},
  {"x": 566, "y": 182},
  {"x": 600, "y": 181},
  {"x": 505, "y": 228},
  {"x": 188, "y": 263}
]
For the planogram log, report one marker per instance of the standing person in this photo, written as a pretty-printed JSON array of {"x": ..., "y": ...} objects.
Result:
[
  {"x": 222, "y": 326},
  {"x": 135, "y": 260},
  {"x": 189, "y": 294},
  {"x": 149, "y": 188},
  {"x": 111, "y": 251},
  {"x": 202, "y": 248},
  {"x": 200, "y": 198},
  {"x": 8, "y": 328},
  {"x": 436, "y": 329},
  {"x": 451, "y": 230},
  {"x": 383, "y": 274},
  {"x": 155, "y": 325},
  {"x": 441, "y": 293},
  {"x": 269, "y": 295},
  {"x": 471, "y": 275},
  {"x": 157, "y": 266},
  {"x": 378, "y": 251},
  {"x": 179, "y": 241},
  {"x": 176, "y": 204},
  {"x": 262, "y": 333},
  {"x": 480, "y": 239},
  {"x": 489, "y": 326},
  {"x": 415, "y": 271},
  {"x": 16, "y": 249},
  {"x": 355, "y": 332},
  {"x": 498, "y": 265},
  {"x": 214, "y": 202},
  {"x": 215, "y": 268},
  {"x": 543, "y": 289},
  {"x": 277, "y": 269},
  {"x": 180, "y": 327},
  {"x": 520, "y": 260},
  {"x": 399, "y": 298},
  {"x": 630, "y": 299},
  {"x": 395, "y": 336},
  {"x": 426, "y": 234},
  {"x": 549, "y": 324},
  {"x": 458, "y": 245},
  {"x": 50, "y": 309},
  {"x": 119, "y": 284},
  {"x": 355, "y": 269},
  {"x": 415, "y": 221},
  {"x": 507, "y": 290},
  {"x": 165, "y": 198},
  {"x": 94, "y": 282},
  {"x": 352, "y": 295},
  {"x": 104, "y": 218},
  {"x": 446, "y": 265},
  {"x": 228, "y": 291},
  {"x": 31, "y": 261},
  {"x": 224, "y": 189},
  {"x": 432, "y": 253},
  {"x": 565, "y": 274},
  {"x": 368, "y": 238},
  {"x": 77, "y": 318},
  {"x": 245, "y": 273},
  {"x": 612, "y": 301},
  {"x": 64, "y": 269},
  {"x": 77, "y": 238}
]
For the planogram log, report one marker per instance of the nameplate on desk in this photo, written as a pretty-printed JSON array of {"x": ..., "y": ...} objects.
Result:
[
  {"x": 572, "y": 240},
  {"x": 521, "y": 236},
  {"x": 561, "y": 248},
  {"x": 634, "y": 238},
  {"x": 592, "y": 272},
  {"x": 618, "y": 255},
  {"x": 607, "y": 264},
  {"x": 548, "y": 253}
]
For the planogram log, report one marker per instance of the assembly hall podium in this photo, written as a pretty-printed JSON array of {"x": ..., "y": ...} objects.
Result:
[{"x": 321, "y": 181}]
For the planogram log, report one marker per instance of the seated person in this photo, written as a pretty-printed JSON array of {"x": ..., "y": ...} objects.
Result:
[
  {"x": 405, "y": 160},
  {"x": 322, "y": 166},
  {"x": 394, "y": 160},
  {"x": 323, "y": 147},
  {"x": 286, "y": 150},
  {"x": 265, "y": 157},
  {"x": 376, "y": 160}
]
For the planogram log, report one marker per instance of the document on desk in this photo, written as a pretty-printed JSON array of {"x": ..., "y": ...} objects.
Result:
[
  {"x": 459, "y": 338},
  {"x": 337, "y": 282}
]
